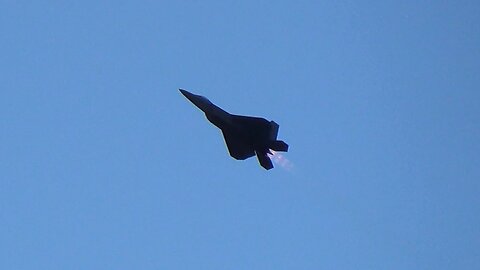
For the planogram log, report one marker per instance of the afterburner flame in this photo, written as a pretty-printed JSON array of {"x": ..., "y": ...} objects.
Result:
[{"x": 280, "y": 160}]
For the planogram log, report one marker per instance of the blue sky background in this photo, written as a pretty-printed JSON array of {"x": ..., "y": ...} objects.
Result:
[{"x": 105, "y": 165}]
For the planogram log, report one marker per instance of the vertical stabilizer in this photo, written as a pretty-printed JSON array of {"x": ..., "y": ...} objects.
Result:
[
  {"x": 273, "y": 130},
  {"x": 279, "y": 146}
]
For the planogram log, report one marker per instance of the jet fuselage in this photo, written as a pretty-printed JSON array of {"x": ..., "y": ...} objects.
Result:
[{"x": 245, "y": 136}]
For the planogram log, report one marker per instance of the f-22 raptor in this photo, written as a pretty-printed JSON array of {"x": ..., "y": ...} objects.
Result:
[{"x": 245, "y": 136}]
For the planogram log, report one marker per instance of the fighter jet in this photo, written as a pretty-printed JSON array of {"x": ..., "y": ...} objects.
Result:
[{"x": 245, "y": 136}]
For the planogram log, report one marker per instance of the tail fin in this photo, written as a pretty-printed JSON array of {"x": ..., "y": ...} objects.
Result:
[
  {"x": 273, "y": 130},
  {"x": 276, "y": 145},
  {"x": 279, "y": 146}
]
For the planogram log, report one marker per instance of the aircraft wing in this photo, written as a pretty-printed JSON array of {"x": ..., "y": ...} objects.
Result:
[
  {"x": 236, "y": 147},
  {"x": 252, "y": 123}
]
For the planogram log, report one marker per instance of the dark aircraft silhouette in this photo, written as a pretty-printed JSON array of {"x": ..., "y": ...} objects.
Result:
[{"x": 245, "y": 136}]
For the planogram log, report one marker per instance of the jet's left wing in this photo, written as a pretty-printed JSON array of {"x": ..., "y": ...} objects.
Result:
[{"x": 236, "y": 147}]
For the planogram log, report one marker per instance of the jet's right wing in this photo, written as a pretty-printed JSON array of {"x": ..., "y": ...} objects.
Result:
[{"x": 236, "y": 147}]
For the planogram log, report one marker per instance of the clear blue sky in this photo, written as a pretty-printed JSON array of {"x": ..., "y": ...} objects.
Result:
[{"x": 105, "y": 165}]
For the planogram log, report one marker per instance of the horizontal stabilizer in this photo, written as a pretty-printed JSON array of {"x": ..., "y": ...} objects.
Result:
[
  {"x": 264, "y": 160},
  {"x": 279, "y": 146}
]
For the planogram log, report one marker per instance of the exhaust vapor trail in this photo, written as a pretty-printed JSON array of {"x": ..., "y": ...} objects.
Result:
[{"x": 279, "y": 159}]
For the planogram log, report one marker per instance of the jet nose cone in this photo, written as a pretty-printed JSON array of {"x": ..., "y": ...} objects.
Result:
[
  {"x": 185, "y": 93},
  {"x": 192, "y": 97},
  {"x": 201, "y": 102}
]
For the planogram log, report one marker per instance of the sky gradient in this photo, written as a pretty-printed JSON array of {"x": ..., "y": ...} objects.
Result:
[{"x": 105, "y": 165}]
